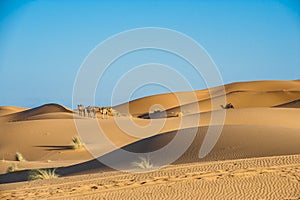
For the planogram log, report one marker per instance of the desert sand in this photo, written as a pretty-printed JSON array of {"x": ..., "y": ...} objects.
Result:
[{"x": 257, "y": 155}]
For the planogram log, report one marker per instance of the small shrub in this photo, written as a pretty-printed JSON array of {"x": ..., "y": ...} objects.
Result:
[
  {"x": 36, "y": 174},
  {"x": 77, "y": 143},
  {"x": 157, "y": 110},
  {"x": 13, "y": 168},
  {"x": 113, "y": 112},
  {"x": 179, "y": 114},
  {"x": 19, "y": 157},
  {"x": 144, "y": 163},
  {"x": 116, "y": 113}
]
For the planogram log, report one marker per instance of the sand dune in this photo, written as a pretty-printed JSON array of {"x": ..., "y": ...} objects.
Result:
[
  {"x": 29, "y": 113},
  {"x": 237, "y": 141},
  {"x": 241, "y": 99},
  {"x": 56, "y": 134},
  {"x": 258, "y": 146},
  {"x": 5, "y": 110},
  {"x": 242, "y": 95}
]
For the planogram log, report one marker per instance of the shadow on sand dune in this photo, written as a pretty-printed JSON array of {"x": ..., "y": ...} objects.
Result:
[
  {"x": 292, "y": 104},
  {"x": 235, "y": 142},
  {"x": 95, "y": 166},
  {"x": 55, "y": 147}
]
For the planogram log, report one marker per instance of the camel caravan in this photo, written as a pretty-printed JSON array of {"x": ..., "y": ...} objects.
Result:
[{"x": 91, "y": 111}]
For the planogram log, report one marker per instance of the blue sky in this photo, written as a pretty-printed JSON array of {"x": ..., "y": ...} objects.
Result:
[{"x": 43, "y": 43}]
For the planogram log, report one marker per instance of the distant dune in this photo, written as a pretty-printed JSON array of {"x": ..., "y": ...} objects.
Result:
[
  {"x": 244, "y": 94},
  {"x": 20, "y": 114},
  {"x": 5, "y": 110},
  {"x": 256, "y": 156}
]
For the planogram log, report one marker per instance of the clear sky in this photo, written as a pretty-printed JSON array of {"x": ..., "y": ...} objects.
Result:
[{"x": 43, "y": 43}]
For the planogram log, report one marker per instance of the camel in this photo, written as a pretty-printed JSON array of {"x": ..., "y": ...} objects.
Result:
[
  {"x": 88, "y": 111},
  {"x": 81, "y": 110},
  {"x": 85, "y": 112},
  {"x": 110, "y": 111},
  {"x": 228, "y": 106},
  {"x": 91, "y": 111},
  {"x": 104, "y": 112}
]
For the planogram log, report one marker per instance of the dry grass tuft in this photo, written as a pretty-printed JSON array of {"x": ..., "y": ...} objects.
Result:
[
  {"x": 13, "y": 168},
  {"x": 36, "y": 174},
  {"x": 144, "y": 163},
  {"x": 77, "y": 143},
  {"x": 179, "y": 114},
  {"x": 19, "y": 157}
]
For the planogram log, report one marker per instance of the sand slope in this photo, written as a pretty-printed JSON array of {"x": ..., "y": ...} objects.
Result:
[{"x": 256, "y": 178}]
